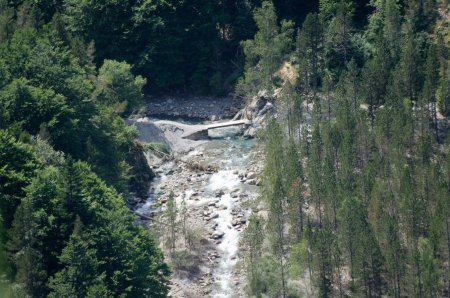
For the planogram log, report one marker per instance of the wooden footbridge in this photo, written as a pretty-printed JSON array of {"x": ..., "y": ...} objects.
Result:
[{"x": 200, "y": 131}]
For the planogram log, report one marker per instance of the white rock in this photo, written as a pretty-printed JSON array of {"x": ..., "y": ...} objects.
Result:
[
  {"x": 251, "y": 182},
  {"x": 251, "y": 175},
  {"x": 218, "y": 234}
]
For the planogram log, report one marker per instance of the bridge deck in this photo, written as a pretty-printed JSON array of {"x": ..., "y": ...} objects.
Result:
[
  {"x": 190, "y": 131},
  {"x": 229, "y": 123}
]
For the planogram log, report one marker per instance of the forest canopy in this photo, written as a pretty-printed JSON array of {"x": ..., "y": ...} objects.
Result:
[
  {"x": 67, "y": 162},
  {"x": 356, "y": 182},
  {"x": 356, "y": 179}
]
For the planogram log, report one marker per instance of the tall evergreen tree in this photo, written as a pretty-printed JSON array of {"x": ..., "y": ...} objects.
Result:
[
  {"x": 265, "y": 52},
  {"x": 309, "y": 51}
]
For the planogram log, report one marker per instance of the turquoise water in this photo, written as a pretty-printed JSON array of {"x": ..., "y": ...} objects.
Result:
[{"x": 231, "y": 153}]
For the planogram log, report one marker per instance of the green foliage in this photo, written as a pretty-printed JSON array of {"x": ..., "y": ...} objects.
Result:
[
  {"x": 339, "y": 47},
  {"x": 269, "y": 278},
  {"x": 253, "y": 239},
  {"x": 157, "y": 148},
  {"x": 170, "y": 215},
  {"x": 79, "y": 275},
  {"x": 177, "y": 45},
  {"x": 46, "y": 154},
  {"x": 443, "y": 96},
  {"x": 309, "y": 50},
  {"x": 362, "y": 186},
  {"x": 56, "y": 99},
  {"x": 92, "y": 259},
  {"x": 17, "y": 166},
  {"x": 430, "y": 268},
  {"x": 6, "y": 21},
  {"x": 298, "y": 258},
  {"x": 363, "y": 181},
  {"x": 118, "y": 88},
  {"x": 265, "y": 52},
  {"x": 107, "y": 23},
  {"x": 37, "y": 233},
  {"x": 45, "y": 62},
  {"x": 68, "y": 231},
  {"x": 30, "y": 106}
]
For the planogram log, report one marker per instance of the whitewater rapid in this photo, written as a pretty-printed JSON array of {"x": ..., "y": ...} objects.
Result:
[{"x": 221, "y": 190}]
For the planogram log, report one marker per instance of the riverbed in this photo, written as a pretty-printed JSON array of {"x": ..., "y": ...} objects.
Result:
[{"x": 214, "y": 184}]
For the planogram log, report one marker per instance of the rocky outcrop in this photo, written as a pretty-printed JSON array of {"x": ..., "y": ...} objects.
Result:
[
  {"x": 148, "y": 131},
  {"x": 141, "y": 173},
  {"x": 260, "y": 108}
]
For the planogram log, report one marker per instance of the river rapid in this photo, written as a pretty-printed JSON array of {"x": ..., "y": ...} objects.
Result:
[{"x": 215, "y": 185}]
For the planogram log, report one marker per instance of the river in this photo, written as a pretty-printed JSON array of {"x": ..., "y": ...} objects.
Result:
[{"x": 216, "y": 203}]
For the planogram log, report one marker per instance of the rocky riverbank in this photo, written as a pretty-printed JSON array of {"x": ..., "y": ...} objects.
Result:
[
  {"x": 214, "y": 182},
  {"x": 214, "y": 186},
  {"x": 199, "y": 108}
]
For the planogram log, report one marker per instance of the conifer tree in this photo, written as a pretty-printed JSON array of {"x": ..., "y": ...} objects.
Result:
[
  {"x": 18, "y": 164},
  {"x": 265, "y": 52},
  {"x": 295, "y": 188},
  {"x": 406, "y": 73},
  {"x": 80, "y": 262},
  {"x": 391, "y": 28},
  {"x": 253, "y": 239},
  {"x": 275, "y": 194},
  {"x": 338, "y": 41},
  {"x": 309, "y": 50},
  {"x": 171, "y": 213},
  {"x": 431, "y": 272},
  {"x": 276, "y": 197}
]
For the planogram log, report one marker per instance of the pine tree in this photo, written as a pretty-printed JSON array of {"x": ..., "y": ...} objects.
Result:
[
  {"x": 322, "y": 248},
  {"x": 407, "y": 69},
  {"x": 275, "y": 194},
  {"x": 375, "y": 78},
  {"x": 309, "y": 50},
  {"x": 80, "y": 262},
  {"x": 265, "y": 52},
  {"x": 17, "y": 165},
  {"x": 295, "y": 188},
  {"x": 391, "y": 28},
  {"x": 393, "y": 252},
  {"x": 443, "y": 94},
  {"x": 430, "y": 269},
  {"x": 24, "y": 245},
  {"x": 276, "y": 198},
  {"x": 339, "y": 46},
  {"x": 253, "y": 239},
  {"x": 315, "y": 176},
  {"x": 6, "y": 21},
  {"x": 171, "y": 214}
]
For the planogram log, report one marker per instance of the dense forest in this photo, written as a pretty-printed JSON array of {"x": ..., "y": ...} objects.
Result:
[
  {"x": 67, "y": 163},
  {"x": 357, "y": 172},
  {"x": 357, "y": 178}
]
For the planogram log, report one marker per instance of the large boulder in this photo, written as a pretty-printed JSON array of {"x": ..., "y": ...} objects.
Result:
[
  {"x": 259, "y": 109},
  {"x": 142, "y": 174},
  {"x": 268, "y": 107},
  {"x": 258, "y": 103}
]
